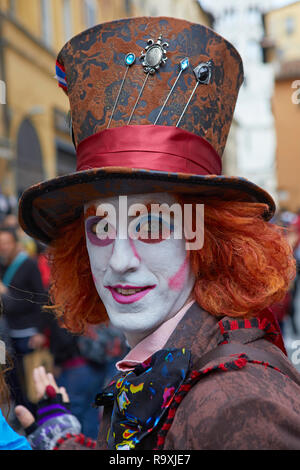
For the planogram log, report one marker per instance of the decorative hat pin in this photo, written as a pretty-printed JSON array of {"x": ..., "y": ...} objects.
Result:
[
  {"x": 153, "y": 57},
  {"x": 129, "y": 61},
  {"x": 202, "y": 73},
  {"x": 183, "y": 66}
]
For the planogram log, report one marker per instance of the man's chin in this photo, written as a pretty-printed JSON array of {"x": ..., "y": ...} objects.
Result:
[{"x": 129, "y": 322}]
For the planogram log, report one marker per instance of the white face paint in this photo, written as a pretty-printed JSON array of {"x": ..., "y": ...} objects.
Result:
[{"x": 141, "y": 284}]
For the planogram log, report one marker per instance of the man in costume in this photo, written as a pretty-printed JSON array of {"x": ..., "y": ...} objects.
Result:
[{"x": 207, "y": 367}]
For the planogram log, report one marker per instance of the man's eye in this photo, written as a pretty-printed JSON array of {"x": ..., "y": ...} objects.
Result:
[
  {"x": 154, "y": 226},
  {"x": 100, "y": 232},
  {"x": 153, "y": 230},
  {"x": 103, "y": 229}
]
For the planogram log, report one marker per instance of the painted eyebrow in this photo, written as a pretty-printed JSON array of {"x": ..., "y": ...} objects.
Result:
[
  {"x": 148, "y": 207},
  {"x": 92, "y": 211}
]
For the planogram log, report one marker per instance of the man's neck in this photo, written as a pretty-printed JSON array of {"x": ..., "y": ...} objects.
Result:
[{"x": 134, "y": 338}]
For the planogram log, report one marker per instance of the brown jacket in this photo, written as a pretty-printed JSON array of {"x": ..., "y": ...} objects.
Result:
[{"x": 234, "y": 403}]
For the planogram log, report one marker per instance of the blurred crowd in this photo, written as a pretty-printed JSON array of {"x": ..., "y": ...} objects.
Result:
[
  {"x": 288, "y": 309},
  {"x": 33, "y": 337}
]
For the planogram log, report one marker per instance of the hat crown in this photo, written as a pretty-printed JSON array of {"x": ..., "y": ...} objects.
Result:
[{"x": 142, "y": 71}]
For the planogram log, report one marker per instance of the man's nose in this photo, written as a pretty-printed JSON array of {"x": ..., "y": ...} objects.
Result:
[{"x": 124, "y": 257}]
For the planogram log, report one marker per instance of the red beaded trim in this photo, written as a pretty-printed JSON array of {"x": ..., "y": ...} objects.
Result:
[
  {"x": 78, "y": 438},
  {"x": 195, "y": 375}
]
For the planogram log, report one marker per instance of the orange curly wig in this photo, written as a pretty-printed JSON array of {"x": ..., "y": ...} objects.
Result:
[{"x": 245, "y": 265}]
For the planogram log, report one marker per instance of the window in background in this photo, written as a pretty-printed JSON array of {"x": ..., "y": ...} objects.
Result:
[
  {"x": 46, "y": 22},
  {"x": 90, "y": 12},
  {"x": 67, "y": 17},
  {"x": 12, "y": 7},
  {"x": 289, "y": 25},
  {"x": 128, "y": 7}
]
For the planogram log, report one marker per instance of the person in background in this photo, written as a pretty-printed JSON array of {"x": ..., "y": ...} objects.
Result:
[
  {"x": 53, "y": 418},
  {"x": 26, "y": 243},
  {"x": 284, "y": 309},
  {"x": 43, "y": 264},
  {"x": 9, "y": 439},
  {"x": 83, "y": 365},
  {"x": 7, "y": 205},
  {"x": 23, "y": 295},
  {"x": 295, "y": 233},
  {"x": 50, "y": 397}
]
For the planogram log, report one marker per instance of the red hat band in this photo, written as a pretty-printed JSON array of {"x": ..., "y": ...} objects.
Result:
[{"x": 149, "y": 147}]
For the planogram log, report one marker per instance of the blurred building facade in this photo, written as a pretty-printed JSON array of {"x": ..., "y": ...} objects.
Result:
[
  {"x": 35, "y": 142},
  {"x": 251, "y": 146},
  {"x": 190, "y": 10},
  {"x": 282, "y": 48}
]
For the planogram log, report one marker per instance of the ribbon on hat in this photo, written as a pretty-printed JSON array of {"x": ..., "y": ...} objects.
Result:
[
  {"x": 61, "y": 76},
  {"x": 155, "y": 148},
  {"x": 142, "y": 397}
]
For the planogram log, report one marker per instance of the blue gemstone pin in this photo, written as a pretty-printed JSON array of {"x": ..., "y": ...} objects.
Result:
[
  {"x": 183, "y": 66},
  {"x": 153, "y": 58},
  {"x": 129, "y": 61},
  {"x": 202, "y": 73}
]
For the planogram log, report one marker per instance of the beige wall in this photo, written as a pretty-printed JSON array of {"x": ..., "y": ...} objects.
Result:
[
  {"x": 186, "y": 9},
  {"x": 28, "y": 14},
  {"x": 283, "y": 33},
  {"x": 278, "y": 24},
  {"x": 30, "y": 70},
  {"x": 287, "y": 121}
]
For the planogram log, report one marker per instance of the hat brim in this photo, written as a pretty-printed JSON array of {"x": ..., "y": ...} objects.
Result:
[{"x": 47, "y": 207}]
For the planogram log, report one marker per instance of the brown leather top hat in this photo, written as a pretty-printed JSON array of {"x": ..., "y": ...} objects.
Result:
[{"x": 152, "y": 100}]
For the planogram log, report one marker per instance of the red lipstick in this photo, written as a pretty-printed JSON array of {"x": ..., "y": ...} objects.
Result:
[{"x": 128, "y": 294}]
